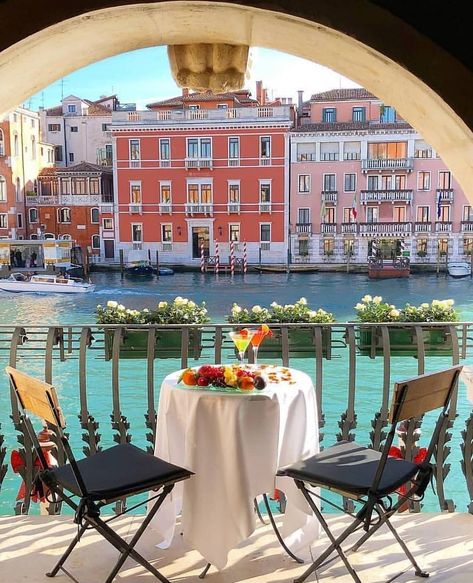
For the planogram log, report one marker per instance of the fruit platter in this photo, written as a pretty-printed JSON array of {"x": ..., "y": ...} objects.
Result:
[{"x": 231, "y": 378}]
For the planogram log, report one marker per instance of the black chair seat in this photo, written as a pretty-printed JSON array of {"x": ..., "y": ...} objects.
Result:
[
  {"x": 351, "y": 468},
  {"x": 119, "y": 471}
]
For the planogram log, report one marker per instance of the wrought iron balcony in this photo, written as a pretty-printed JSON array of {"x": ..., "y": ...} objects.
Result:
[
  {"x": 386, "y": 196},
  {"x": 387, "y": 229},
  {"x": 198, "y": 163},
  {"x": 467, "y": 226},
  {"x": 199, "y": 208},
  {"x": 165, "y": 208},
  {"x": 445, "y": 194},
  {"x": 64, "y": 199},
  {"x": 349, "y": 228},
  {"x": 264, "y": 207},
  {"x": 330, "y": 196},
  {"x": 443, "y": 227},
  {"x": 304, "y": 228},
  {"x": 135, "y": 208},
  {"x": 233, "y": 208},
  {"x": 328, "y": 228},
  {"x": 423, "y": 227},
  {"x": 387, "y": 164},
  {"x": 306, "y": 157}
]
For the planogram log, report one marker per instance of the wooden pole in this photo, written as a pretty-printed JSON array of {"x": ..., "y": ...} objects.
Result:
[
  {"x": 202, "y": 259},
  {"x": 245, "y": 259},
  {"x": 232, "y": 258},
  {"x": 157, "y": 262},
  {"x": 259, "y": 254},
  {"x": 217, "y": 258},
  {"x": 122, "y": 266},
  {"x": 86, "y": 263}
]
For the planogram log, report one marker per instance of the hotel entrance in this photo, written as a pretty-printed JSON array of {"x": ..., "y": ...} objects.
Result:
[
  {"x": 199, "y": 235},
  {"x": 386, "y": 248}
]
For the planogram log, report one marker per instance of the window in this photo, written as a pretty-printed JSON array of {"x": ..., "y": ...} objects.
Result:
[
  {"x": 33, "y": 123},
  {"x": 233, "y": 151},
  {"x": 19, "y": 220},
  {"x": 265, "y": 232},
  {"x": 329, "y": 184},
  {"x": 372, "y": 214},
  {"x": 165, "y": 150},
  {"x": 329, "y": 151},
  {"x": 16, "y": 145},
  {"x": 105, "y": 127},
  {"x": 372, "y": 183},
  {"x": 423, "y": 181},
  {"x": 359, "y": 114},
  {"x": 49, "y": 236},
  {"x": 467, "y": 213},
  {"x": 399, "y": 214},
  {"x": 234, "y": 232},
  {"x": 222, "y": 106},
  {"x": 54, "y": 127},
  {"x": 443, "y": 246},
  {"x": 194, "y": 107},
  {"x": 3, "y": 221},
  {"x": 79, "y": 186},
  {"x": 444, "y": 214},
  {"x": 135, "y": 153},
  {"x": 303, "y": 245},
  {"x": 423, "y": 214},
  {"x": 265, "y": 192},
  {"x": 351, "y": 150},
  {"x": 64, "y": 215},
  {"x": 349, "y": 183},
  {"x": 205, "y": 148},
  {"x": 199, "y": 193},
  {"x": 3, "y": 189},
  {"x": 33, "y": 148},
  {"x": 34, "y": 237},
  {"x": 18, "y": 192},
  {"x": 304, "y": 183},
  {"x": 387, "y": 150},
  {"x": 165, "y": 193},
  {"x": 387, "y": 114},
  {"x": 329, "y": 246},
  {"x": 421, "y": 247},
  {"x": 2, "y": 145},
  {"x": 306, "y": 151},
  {"x": 234, "y": 193},
  {"x": 467, "y": 245},
  {"x": 107, "y": 224},
  {"x": 33, "y": 215},
  {"x": 58, "y": 154},
  {"x": 347, "y": 215},
  {"x": 303, "y": 216},
  {"x": 399, "y": 181},
  {"x": 95, "y": 242},
  {"x": 329, "y": 215},
  {"x": 166, "y": 233},
  {"x": 71, "y": 156},
  {"x": 199, "y": 148},
  {"x": 265, "y": 149},
  {"x": 137, "y": 232},
  {"x": 329, "y": 115},
  {"x": 94, "y": 186},
  {"x": 94, "y": 215},
  {"x": 193, "y": 148},
  {"x": 135, "y": 192},
  {"x": 422, "y": 149},
  {"x": 445, "y": 180},
  {"x": 71, "y": 108},
  {"x": 74, "y": 129}
]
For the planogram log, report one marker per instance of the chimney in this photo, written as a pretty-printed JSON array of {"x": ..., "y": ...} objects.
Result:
[
  {"x": 185, "y": 91},
  {"x": 259, "y": 92},
  {"x": 300, "y": 98}
]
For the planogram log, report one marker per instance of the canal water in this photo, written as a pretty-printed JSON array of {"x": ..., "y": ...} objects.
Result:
[{"x": 336, "y": 293}]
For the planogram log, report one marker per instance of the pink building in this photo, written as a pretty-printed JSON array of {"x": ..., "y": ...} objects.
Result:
[
  {"x": 358, "y": 173},
  {"x": 202, "y": 169}
]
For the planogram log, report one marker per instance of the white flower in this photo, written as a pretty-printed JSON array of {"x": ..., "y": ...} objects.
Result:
[
  {"x": 121, "y": 307},
  {"x": 302, "y": 301},
  {"x": 191, "y": 304},
  {"x": 274, "y": 305},
  {"x": 99, "y": 307},
  {"x": 289, "y": 307},
  {"x": 112, "y": 304},
  {"x": 128, "y": 311},
  {"x": 392, "y": 306},
  {"x": 450, "y": 302},
  {"x": 394, "y": 313},
  {"x": 162, "y": 305},
  {"x": 377, "y": 299},
  {"x": 236, "y": 309},
  {"x": 312, "y": 314},
  {"x": 256, "y": 309},
  {"x": 425, "y": 306},
  {"x": 146, "y": 311},
  {"x": 360, "y": 307},
  {"x": 435, "y": 303},
  {"x": 367, "y": 298},
  {"x": 181, "y": 301}
]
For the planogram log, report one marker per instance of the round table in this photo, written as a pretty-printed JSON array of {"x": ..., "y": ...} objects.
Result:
[{"x": 235, "y": 442}]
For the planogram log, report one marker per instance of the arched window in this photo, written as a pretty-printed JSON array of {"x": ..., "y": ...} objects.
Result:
[
  {"x": 95, "y": 242},
  {"x": 94, "y": 215},
  {"x": 2, "y": 144},
  {"x": 3, "y": 188},
  {"x": 33, "y": 237},
  {"x": 65, "y": 237},
  {"x": 64, "y": 215},
  {"x": 33, "y": 215},
  {"x": 49, "y": 236},
  {"x": 33, "y": 148},
  {"x": 16, "y": 145}
]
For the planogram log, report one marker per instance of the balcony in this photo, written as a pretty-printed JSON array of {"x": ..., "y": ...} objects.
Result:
[
  {"x": 385, "y": 229},
  {"x": 135, "y": 208},
  {"x": 306, "y": 157},
  {"x": 264, "y": 207},
  {"x": 387, "y": 164},
  {"x": 421, "y": 227},
  {"x": 330, "y": 196},
  {"x": 445, "y": 194},
  {"x": 386, "y": 196},
  {"x": 328, "y": 228},
  {"x": 233, "y": 208},
  {"x": 467, "y": 226},
  {"x": 64, "y": 199},
  {"x": 349, "y": 228},
  {"x": 198, "y": 163},
  {"x": 443, "y": 227},
  {"x": 107, "y": 208},
  {"x": 199, "y": 209},
  {"x": 165, "y": 208},
  {"x": 265, "y": 161},
  {"x": 304, "y": 228}
]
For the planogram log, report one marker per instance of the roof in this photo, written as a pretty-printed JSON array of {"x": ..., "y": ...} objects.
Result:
[
  {"x": 343, "y": 94},
  {"x": 351, "y": 126},
  {"x": 94, "y": 107},
  {"x": 241, "y": 97},
  {"x": 81, "y": 168}
]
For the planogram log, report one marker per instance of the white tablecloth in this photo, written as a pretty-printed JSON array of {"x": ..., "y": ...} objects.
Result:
[{"x": 234, "y": 442}]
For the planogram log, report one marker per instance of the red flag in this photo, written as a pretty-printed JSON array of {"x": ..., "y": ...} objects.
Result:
[{"x": 354, "y": 210}]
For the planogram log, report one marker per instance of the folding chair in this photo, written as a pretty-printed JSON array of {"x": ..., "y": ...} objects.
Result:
[
  {"x": 107, "y": 476},
  {"x": 370, "y": 477}
]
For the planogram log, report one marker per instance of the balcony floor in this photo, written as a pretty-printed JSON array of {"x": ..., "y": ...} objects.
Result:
[{"x": 443, "y": 544}]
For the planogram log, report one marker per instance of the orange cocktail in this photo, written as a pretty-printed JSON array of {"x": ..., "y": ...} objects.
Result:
[{"x": 258, "y": 336}]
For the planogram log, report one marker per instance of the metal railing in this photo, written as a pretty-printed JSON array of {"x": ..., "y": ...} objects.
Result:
[
  {"x": 108, "y": 398},
  {"x": 423, "y": 227},
  {"x": 443, "y": 227},
  {"x": 445, "y": 194},
  {"x": 387, "y": 163},
  {"x": 329, "y": 196},
  {"x": 305, "y": 228},
  {"x": 392, "y": 229},
  {"x": 386, "y": 196}
]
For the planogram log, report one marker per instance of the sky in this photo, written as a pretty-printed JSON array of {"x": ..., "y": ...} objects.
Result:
[{"x": 144, "y": 76}]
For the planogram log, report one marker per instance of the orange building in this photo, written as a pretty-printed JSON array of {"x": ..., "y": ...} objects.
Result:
[{"x": 202, "y": 169}]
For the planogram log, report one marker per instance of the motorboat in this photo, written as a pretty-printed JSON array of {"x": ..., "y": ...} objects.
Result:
[
  {"x": 138, "y": 264},
  {"x": 459, "y": 269},
  {"x": 45, "y": 283},
  {"x": 165, "y": 271}
]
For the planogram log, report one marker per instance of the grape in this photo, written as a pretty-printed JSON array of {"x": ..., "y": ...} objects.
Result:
[{"x": 260, "y": 383}]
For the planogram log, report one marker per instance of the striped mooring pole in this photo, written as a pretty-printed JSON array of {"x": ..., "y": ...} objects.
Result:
[
  {"x": 217, "y": 259},
  {"x": 232, "y": 258},
  {"x": 245, "y": 258},
  {"x": 202, "y": 260}
]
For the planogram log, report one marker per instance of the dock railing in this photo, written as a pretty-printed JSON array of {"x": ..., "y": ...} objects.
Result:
[{"x": 106, "y": 394}]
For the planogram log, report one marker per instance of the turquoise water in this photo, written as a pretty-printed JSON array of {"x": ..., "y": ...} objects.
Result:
[{"x": 336, "y": 293}]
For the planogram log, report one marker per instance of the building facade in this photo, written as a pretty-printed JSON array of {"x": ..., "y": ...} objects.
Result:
[
  {"x": 202, "y": 170},
  {"x": 22, "y": 155},
  {"x": 360, "y": 173}
]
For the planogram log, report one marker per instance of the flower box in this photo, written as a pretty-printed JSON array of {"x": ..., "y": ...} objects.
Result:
[
  {"x": 168, "y": 344},
  {"x": 403, "y": 342}
]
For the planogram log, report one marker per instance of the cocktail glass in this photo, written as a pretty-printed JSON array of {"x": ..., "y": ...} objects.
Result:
[
  {"x": 241, "y": 341},
  {"x": 256, "y": 339}
]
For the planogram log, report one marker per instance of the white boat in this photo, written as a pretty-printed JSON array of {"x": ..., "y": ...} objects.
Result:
[
  {"x": 459, "y": 268},
  {"x": 44, "y": 283}
]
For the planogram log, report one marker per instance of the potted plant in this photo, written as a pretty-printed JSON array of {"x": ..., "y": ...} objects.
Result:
[
  {"x": 437, "y": 340},
  {"x": 301, "y": 339},
  {"x": 422, "y": 254},
  {"x": 134, "y": 341}
]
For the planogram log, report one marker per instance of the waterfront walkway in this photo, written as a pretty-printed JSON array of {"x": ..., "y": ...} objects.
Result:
[{"x": 443, "y": 544}]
